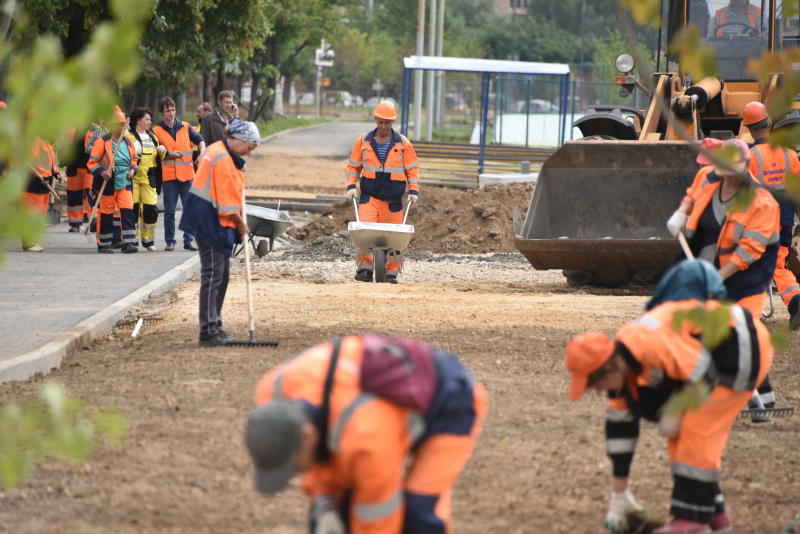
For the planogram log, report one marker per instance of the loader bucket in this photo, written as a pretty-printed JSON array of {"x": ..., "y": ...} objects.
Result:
[{"x": 599, "y": 209}]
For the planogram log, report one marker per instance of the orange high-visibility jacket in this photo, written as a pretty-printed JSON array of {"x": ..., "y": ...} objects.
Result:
[
  {"x": 102, "y": 154},
  {"x": 770, "y": 164},
  {"x": 387, "y": 181},
  {"x": 219, "y": 183},
  {"x": 745, "y": 235},
  {"x": 44, "y": 158},
  {"x": 176, "y": 169},
  {"x": 753, "y": 15},
  {"x": 369, "y": 437},
  {"x": 700, "y": 181},
  {"x": 663, "y": 359}
]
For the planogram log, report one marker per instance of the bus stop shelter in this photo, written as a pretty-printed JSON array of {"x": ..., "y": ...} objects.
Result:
[{"x": 487, "y": 68}]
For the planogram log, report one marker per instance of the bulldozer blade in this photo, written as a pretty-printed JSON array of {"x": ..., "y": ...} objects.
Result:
[{"x": 602, "y": 206}]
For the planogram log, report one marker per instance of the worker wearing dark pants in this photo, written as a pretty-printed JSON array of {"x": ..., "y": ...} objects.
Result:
[{"x": 213, "y": 285}]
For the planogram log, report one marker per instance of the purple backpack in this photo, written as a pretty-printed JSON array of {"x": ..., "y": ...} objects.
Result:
[{"x": 399, "y": 370}]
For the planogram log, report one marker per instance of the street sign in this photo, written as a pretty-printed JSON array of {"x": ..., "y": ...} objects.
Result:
[
  {"x": 324, "y": 57},
  {"x": 325, "y": 82}
]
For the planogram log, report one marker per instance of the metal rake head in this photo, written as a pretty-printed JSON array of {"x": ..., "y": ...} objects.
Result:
[
  {"x": 766, "y": 413},
  {"x": 147, "y": 320}
]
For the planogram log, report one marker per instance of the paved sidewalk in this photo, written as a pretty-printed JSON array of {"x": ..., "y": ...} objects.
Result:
[
  {"x": 44, "y": 294},
  {"x": 331, "y": 140}
]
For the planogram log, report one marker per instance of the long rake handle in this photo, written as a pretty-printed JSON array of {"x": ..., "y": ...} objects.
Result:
[
  {"x": 44, "y": 182},
  {"x": 685, "y": 246},
  {"x": 106, "y": 180},
  {"x": 245, "y": 238}
]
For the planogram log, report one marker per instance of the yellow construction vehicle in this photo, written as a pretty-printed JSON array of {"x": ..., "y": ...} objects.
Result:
[{"x": 601, "y": 203}]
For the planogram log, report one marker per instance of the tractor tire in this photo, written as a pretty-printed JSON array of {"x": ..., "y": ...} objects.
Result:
[{"x": 379, "y": 257}]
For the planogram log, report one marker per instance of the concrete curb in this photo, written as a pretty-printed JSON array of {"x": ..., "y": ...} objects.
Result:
[
  {"x": 276, "y": 135},
  {"x": 100, "y": 324}
]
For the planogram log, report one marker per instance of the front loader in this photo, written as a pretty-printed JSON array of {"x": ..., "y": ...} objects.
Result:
[{"x": 601, "y": 203}]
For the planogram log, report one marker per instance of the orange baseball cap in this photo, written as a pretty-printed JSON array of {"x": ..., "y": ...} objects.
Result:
[
  {"x": 709, "y": 144},
  {"x": 586, "y": 353}
]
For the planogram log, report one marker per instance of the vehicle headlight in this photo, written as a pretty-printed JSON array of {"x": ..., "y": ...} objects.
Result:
[{"x": 625, "y": 63}]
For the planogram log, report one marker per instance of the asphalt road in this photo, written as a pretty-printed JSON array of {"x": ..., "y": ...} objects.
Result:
[
  {"x": 43, "y": 294},
  {"x": 334, "y": 139}
]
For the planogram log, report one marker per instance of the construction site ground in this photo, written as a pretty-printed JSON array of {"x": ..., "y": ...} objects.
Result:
[{"x": 539, "y": 465}]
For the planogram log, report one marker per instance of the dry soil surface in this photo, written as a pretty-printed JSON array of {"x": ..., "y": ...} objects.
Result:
[{"x": 539, "y": 465}]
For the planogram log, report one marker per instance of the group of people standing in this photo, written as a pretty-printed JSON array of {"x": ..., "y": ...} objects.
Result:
[{"x": 129, "y": 168}]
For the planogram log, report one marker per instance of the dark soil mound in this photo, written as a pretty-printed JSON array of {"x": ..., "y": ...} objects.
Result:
[{"x": 446, "y": 220}]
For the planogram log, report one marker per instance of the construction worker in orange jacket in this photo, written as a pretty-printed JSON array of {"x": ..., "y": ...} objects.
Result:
[
  {"x": 113, "y": 164},
  {"x": 742, "y": 243},
  {"x": 382, "y": 164},
  {"x": 177, "y": 167},
  {"x": 348, "y": 414},
  {"x": 36, "y": 197},
  {"x": 770, "y": 164},
  {"x": 647, "y": 361},
  {"x": 213, "y": 214},
  {"x": 741, "y": 16}
]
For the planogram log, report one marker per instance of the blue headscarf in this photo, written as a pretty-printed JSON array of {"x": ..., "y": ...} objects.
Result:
[{"x": 690, "y": 279}]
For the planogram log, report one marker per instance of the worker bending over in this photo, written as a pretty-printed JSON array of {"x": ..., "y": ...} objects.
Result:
[
  {"x": 382, "y": 163},
  {"x": 348, "y": 414},
  {"x": 36, "y": 197},
  {"x": 770, "y": 164},
  {"x": 647, "y": 361}
]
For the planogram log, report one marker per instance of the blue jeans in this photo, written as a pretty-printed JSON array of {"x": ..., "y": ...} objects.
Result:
[{"x": 172, "y": 190}]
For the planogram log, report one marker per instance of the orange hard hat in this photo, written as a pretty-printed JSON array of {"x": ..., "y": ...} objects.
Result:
[
  {"x": 385, "y": 110},
  {"x": 754, "y": 114},
  {"x": 586, "y": 353},
  {"x": 120, "y": 115}
]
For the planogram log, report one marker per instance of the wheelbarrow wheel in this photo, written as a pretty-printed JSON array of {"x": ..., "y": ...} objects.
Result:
[{"x": 379, "y": 257}]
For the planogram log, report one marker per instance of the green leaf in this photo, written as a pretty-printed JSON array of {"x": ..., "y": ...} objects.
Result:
[
  {"x": 691, "y": 397},
  {"x": 714, "y": 325},
  {"x": 780, "y": 338},
  {"x": 645, "y": 11},
  {"x": 113, "y": 425}
]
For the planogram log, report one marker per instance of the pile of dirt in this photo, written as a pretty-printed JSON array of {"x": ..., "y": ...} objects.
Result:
[{"x": 446, "y": 220}]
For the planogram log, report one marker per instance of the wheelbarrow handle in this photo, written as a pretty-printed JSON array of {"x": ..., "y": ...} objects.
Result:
[
  {"x": 355, "y": 207},
  {"x": 408, "y": 208}
]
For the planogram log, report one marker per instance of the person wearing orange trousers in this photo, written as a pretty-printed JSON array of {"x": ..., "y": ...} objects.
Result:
[
  {"x": 80, "y": 197},
  {"x": 640, "y": 368},
  {"x": 743, "y": 242},
  {"x": 382, "y": 163},
  {"x": 347, "y": 414},
  {"x": 117, "y": 167},
  {"x": 770, "y": 164},
  {"x": 36, "y": 197}
]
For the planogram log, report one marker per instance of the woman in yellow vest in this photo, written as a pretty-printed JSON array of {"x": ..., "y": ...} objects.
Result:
[{"x": 147, "y": 178}]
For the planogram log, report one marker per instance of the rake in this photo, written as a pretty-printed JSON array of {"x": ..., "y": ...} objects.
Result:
[
  {"x": 146, "y": 320},
  {"x": 251, "y": 341},
  {"x": 767, "y": 412}
]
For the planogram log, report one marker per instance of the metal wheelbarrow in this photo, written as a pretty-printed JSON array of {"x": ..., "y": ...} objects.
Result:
[
  {"x": 382, "y": 239},
  {"x": 267, "y": 223}
]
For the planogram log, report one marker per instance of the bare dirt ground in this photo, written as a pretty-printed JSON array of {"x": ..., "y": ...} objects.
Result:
[{"x": 539, "y": 466}]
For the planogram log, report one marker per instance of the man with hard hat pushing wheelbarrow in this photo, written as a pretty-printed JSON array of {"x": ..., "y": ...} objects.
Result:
[
  {"x": 348, "y": 414},
  {"x": 385, "y": 162}
]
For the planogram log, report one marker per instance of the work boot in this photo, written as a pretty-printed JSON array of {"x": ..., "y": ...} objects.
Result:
[
  {"x": 682, "y": 526},
  {"x": 364, "y": 275},
  {"x": 116, "y": 244},
  {"x": 170, "y": 247},
  {"x": 794, "y": 312},
  {"x": 129, "y": 249},
  {"x": 391, "y": 278},
  {"x": 755, "y": 403},
  {"x": 74, "y": 229},
  {"x": 104, "y": 250},
  {"x": 150, "y": 248},
  {"x": 188, "y": 245},
  {"x": 219, "y": 340},
  {"x": 721, "y": 522}
]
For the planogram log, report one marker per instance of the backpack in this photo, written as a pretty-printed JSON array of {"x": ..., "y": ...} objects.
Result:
[{"x": 98, "y": 132}]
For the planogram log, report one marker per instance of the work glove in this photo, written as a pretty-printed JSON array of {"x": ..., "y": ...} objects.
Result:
[
  {"x": 329, "y": 523},
  {"x": 669, "y": 426},
  {"x": 351, "y": 193},
  {"x": 413, "y": 198},
  {"x": 676, "y": 222},
  {"x": 618, "y": 508}
]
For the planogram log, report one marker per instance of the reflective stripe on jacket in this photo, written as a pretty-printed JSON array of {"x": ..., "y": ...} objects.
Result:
[
  {"x": 664, "y": 359},
  {"x": 385, "y": 181},
  {"x": 770, "y": 164},
  {"x": 704, "y": 176},
  {"x": 102, "y": 152},
  {"x": 181, "y": 168}
]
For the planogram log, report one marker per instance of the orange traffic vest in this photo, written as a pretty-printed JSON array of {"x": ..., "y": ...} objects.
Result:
[
  {"x": 176, "y": 169},
  {"x": 401, "y": 163},
  {"x": 770, "y": 164},
  {"x": 219, "y": 182},
  {"x": 745, "y": 235},
  {"x": 721, "y": 17}
]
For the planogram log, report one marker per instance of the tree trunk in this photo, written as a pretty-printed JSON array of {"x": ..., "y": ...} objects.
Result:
[
  {"x": 254, "y": 98},
  {"x": 206, "y": 86},
  {"x": 220, "y": 85},
  {"x": 278, "y": 102}
]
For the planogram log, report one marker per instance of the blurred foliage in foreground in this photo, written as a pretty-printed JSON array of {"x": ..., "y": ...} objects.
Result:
[{"x": 57, "y": 426}]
